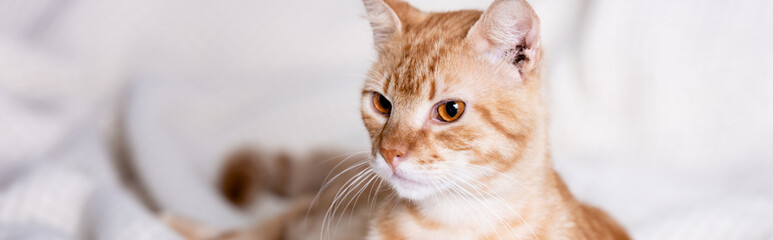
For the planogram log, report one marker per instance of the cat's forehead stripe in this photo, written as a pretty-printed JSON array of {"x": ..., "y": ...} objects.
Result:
[
  {"x": 416, "y": 68},
  {"x": 422, "y": 47},
  {"x": 432, "y": 89}
]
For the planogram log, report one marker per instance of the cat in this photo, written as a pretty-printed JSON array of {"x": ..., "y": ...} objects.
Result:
[
  {"x": 458, "y": 127},
  {"x": 459, "y": 132}
]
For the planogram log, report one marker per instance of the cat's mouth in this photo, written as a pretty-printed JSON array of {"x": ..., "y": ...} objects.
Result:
[
  {"x": 404, "y": 180},
  {"x": 411, "y": 188},
  {"x": 407, "y": 183}
]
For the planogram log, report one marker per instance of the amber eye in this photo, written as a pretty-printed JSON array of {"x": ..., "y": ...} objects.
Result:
[
  {"x": 381, "y": 104},
  {"x": 450, "y": 111}
]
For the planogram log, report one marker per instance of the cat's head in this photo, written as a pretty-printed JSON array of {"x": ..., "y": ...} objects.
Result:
[{"x": 453, "y": 97}]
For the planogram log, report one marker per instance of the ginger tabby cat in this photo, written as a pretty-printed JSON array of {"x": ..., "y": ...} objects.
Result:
[
  {"x": 459, "y": 131},
  {"x": 458, "y": 127}
]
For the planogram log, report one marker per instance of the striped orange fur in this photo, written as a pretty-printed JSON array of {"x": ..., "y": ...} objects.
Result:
[{"x": 488, "y": 174}]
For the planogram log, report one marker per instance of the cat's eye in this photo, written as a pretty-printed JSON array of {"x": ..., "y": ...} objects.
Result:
[
  {"x": 381, "y": 104},
  {"x": 450, "y": 111}
]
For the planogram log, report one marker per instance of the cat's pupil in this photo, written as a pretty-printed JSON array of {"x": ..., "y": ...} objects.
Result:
[
  {"x": 451, "y": 108},
  {"x": 384, "y": 102}
]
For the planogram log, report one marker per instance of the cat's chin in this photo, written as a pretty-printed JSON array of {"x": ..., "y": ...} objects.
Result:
[
  {"x": 412, "y": 192},
  {"x": 411, "y": 189},
  {"x": 406, "y": 187}
]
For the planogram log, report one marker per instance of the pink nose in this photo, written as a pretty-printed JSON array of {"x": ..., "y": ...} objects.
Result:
[{"x": 392, "y": 155}]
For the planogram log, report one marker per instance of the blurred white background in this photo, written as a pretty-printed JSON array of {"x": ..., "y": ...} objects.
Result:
[{"x": 662, "y": 111}]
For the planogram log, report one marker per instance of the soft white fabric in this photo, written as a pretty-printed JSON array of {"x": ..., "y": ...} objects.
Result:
[
  {"x": 58, "y": 90},
  {"x": 661, "y": 110}
]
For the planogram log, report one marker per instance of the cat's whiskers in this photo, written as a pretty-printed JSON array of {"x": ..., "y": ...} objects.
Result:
[
  {"x": 344, "y": 191},
  {"x": 393, "y": 198},
  {"x": 485, "y": 204},
  {"x": 496, "y": 196},
  {"x": 347, "y": 189},
  {"x": 458, "y": 195},
  {"x": 510, "y": 207},
  {"x": 330, "y": 181},
  {"x": 351, "y": 154},
  {"x": 356, "y": 197},
  {"x": 333, "y": 204},
  {"x": 375, "y": 197},
  {"x": 489, "y": 171},
  {"x": 480, "y": 214}
]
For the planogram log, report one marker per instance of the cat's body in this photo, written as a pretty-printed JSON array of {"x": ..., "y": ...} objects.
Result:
[{"x": 458, "y": 128}]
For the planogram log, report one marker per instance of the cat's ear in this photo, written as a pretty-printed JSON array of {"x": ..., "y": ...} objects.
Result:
[
  {"x": 508, "y": 31},
  {"x": 387, "y": 18}
]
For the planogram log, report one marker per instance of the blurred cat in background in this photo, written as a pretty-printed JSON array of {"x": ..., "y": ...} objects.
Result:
[{"x": 458, "y": 129}]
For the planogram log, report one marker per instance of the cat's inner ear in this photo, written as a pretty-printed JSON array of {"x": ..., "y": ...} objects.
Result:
[
  {"x": 508, "y": 31},
  {"x": 387, "y": 18}
]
